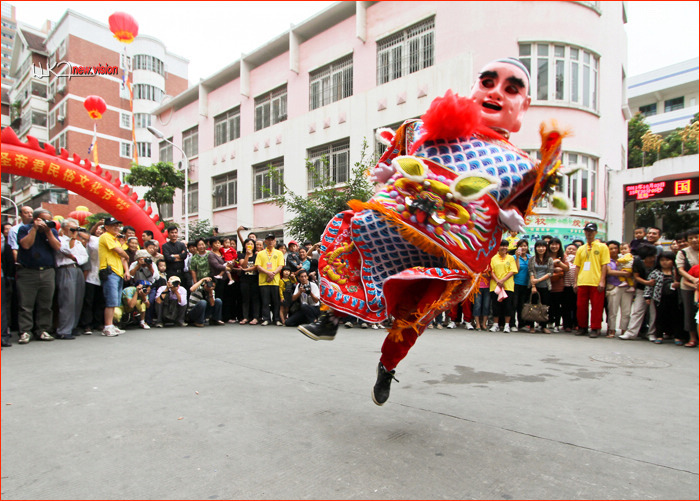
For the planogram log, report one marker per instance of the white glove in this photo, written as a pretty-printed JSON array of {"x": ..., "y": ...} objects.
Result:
[{"x": 512, "y": 220}]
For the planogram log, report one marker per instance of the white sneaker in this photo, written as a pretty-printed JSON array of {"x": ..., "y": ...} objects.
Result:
[
  {"x": 494, "y": 328},
  {"x": 514, "y": 329},
  {"x": 375, "y": 327},
  {"x": 144, "y": 325},
  {"x": 118, "y": 330},
  {"x": 348, "y": 325},
  {"x": 555, "y": 329},
  {"x": 109, "y": 331},
  {"x": 266, "y": 322},
  {"x": 506, "y": 328},
  {"x": 451, "y": 325},
  {"x": 468, "y": 326},
  {"x": 626, "y": 336},
  {"x": 652, "y": 338}
]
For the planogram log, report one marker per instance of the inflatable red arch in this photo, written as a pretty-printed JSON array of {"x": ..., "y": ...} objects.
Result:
[{"x": 31, "y": 160}]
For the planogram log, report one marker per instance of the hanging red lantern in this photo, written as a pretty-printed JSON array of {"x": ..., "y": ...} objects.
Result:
[
  {"x": 95, "y": 106},
  {"x": 81, "y": 213},
  {"x": 124, "y": 27}
]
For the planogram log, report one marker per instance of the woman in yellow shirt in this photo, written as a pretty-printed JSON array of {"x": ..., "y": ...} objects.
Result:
[{"x": 503, "y": 268}]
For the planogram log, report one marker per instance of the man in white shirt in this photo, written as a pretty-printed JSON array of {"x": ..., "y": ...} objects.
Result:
[
  {"x": 25, "y": 215},
  {"x": 70, "y": 280},
  {"x": 308, "y": 296},
  {"x": 171, "y": 303}
]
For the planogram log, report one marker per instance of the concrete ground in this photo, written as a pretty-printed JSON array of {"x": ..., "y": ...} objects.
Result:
[{"x": 249, "y": 412}]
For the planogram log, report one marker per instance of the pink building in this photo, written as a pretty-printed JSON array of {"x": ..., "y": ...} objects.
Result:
[{"x": 326, "y": 85}]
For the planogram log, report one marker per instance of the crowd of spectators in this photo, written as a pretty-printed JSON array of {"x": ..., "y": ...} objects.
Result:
[{"x": 60, "y": 281}]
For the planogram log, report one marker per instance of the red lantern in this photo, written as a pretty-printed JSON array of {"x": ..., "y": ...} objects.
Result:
[
  {"x": 95, "y": 106},
  {"x": 81, "y": 213},
  {"x": 124, "y": 27}
]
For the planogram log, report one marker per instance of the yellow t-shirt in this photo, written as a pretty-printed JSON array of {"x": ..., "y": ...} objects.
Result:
[
  {"x": 108, "y": 257},
  {"x": 597, "y": 255},
  {"x": 500, "y": 268},
  {"x": 512, "y": 241},
  {"x": 269, "y": 261},
  {"x": 625, "y": 263}
]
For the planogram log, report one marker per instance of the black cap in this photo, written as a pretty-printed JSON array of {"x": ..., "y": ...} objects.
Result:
[
  {"x": 270, "y": 236},
  {"x": 110, "y": 221},
  {"x": 590, "y": 227}
]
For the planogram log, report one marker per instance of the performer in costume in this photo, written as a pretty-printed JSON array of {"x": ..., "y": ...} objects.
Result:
[{"x": 453, "y": 184}]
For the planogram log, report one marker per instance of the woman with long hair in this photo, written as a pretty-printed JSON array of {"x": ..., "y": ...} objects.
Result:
[
  {"x": 561, "y": 266},
  {"x": 250, "y": 295},
  {"x": 541, "y": 267},
  {"x": 521, "y": 292}
]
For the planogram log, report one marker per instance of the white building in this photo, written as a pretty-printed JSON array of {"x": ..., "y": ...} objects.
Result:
[
  {"x": 667, "y": 97},
  {"x": 327, "y": 84}
]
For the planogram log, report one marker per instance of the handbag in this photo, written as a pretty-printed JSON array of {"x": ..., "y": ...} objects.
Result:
[{"x": 535, "y": 312}]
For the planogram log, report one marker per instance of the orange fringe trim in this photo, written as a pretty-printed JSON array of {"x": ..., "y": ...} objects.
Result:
[{"x": 411, "y": 235}]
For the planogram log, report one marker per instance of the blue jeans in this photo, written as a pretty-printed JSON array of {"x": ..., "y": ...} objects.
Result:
[
  {"x": 112, "y": 289},
  {"x": 203, "y": 310},
  {"x": 482, "y": 303}
]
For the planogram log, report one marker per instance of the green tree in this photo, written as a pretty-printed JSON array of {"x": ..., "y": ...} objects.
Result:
[
  {"x": 636, "y": 128},
  {"x": 201, "y": 228},
  {"x": 313, "y": 212},
  {"x": 91, "y": 220},
  {"x": 162, "y": 178},
  {"x": 675, "y": 216}
]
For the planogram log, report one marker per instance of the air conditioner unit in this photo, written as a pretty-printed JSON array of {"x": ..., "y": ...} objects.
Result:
[{"x": 61, "y": 118}]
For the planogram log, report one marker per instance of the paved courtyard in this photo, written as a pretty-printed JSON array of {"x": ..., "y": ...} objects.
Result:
[{"x": 246, "y": 412}]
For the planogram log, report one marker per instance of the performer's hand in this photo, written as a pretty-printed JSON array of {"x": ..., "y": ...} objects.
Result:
[
  {"x": 382, "y": 173},
  {"x": 512, "y": 220}
]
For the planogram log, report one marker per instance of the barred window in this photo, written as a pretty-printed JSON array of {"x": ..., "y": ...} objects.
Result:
[
  {"x": 165, "y": 153},
  {"x": 225, "y": 190},
  {"x": 227, "y": 126},
  {"x": 406, "y": 52},
  {"x": 142, "y": 120},
  {"x": 192, "y": 199},
  {"x": 190, "y": 142},
  {"x": 148, "y": 92},
  {"x": 330, "y": 83},
  {"x": 331, "y": 163},
  {"x": 648, "y": 110},
  {"x": 561, "y": 73},
  {"x": 264, "y": 186},
  {"x": 144, "y": 149},
  {"x": 166, "y": 211},
  {"x": 125, "y": 150},
  {"x": 125, "y": 120},
  {"x": 271, "y": 108},
  {"x": 150, "y": 63},
  {"x": 673, "y": 104}
]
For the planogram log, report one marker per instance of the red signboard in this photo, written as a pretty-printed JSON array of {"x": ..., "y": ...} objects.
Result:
[{"x": 661, "y": 189}]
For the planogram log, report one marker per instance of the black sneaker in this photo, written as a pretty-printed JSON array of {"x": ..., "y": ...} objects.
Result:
[
  {"x": 380, "y": 392},
  {"x": 324, "y": 328}
]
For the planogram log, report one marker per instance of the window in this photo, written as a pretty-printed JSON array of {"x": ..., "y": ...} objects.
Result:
[
  {"x": 227, "y": 126},
  {"x": 673, "y": 104},
  {"x": 331, "y": 164},
  {"x": 62, "y": 48},
  {"x": 39, "y": 118},
  {"x": 166, "y": 211},
  {"x": 149, "y": 63},
  {"x": 165, "y": 151},
  {"x": 581, "y": 187},
  {"x": 52, "y": 119},
  {"x": 561, "y": 73},
  {"x": 142, "y": 120},
  {"x": 271, "y": 108},
  {"x": 125, "y": 120},
  {"x": 192, "y": 199},
  {"x": 406, "y": 52},
  {"x": 648, "y": 110},
  {"x": 148, "y": 92},
  {"x": 379, "y": 147},
  {"x": 225, "y": 190},
  {"x": 190, "y": 142},
  {"x": 60, "y": 142},
  {"x": 330, "y": 83},
  {"x": 264, "y": 186},
  {"x": 144, "y": 149},
  {"x": 125, "y": 150}
]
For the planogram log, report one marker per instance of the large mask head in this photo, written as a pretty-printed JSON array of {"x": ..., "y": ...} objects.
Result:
[{"x": 502, "y": 93}]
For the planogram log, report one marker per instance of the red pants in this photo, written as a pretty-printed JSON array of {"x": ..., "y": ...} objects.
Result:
[{"x": 590, "y": 293}]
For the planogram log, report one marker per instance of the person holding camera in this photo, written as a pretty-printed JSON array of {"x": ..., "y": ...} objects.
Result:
[
  {"x": 143, "y": 268},
  {"x": 204, "y": 304},
  {"x": 135, "y": 302},
  {"x": 70, "y": 279},
  {"x": 306, "y": 306},
  {"x": 36, "y": 275},
  {"x": 171, "y": 303}
]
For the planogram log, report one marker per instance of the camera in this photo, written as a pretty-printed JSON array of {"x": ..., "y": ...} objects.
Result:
[
  {"x": 51, "y": 224},
  {"x": 148, "y": 261}
]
